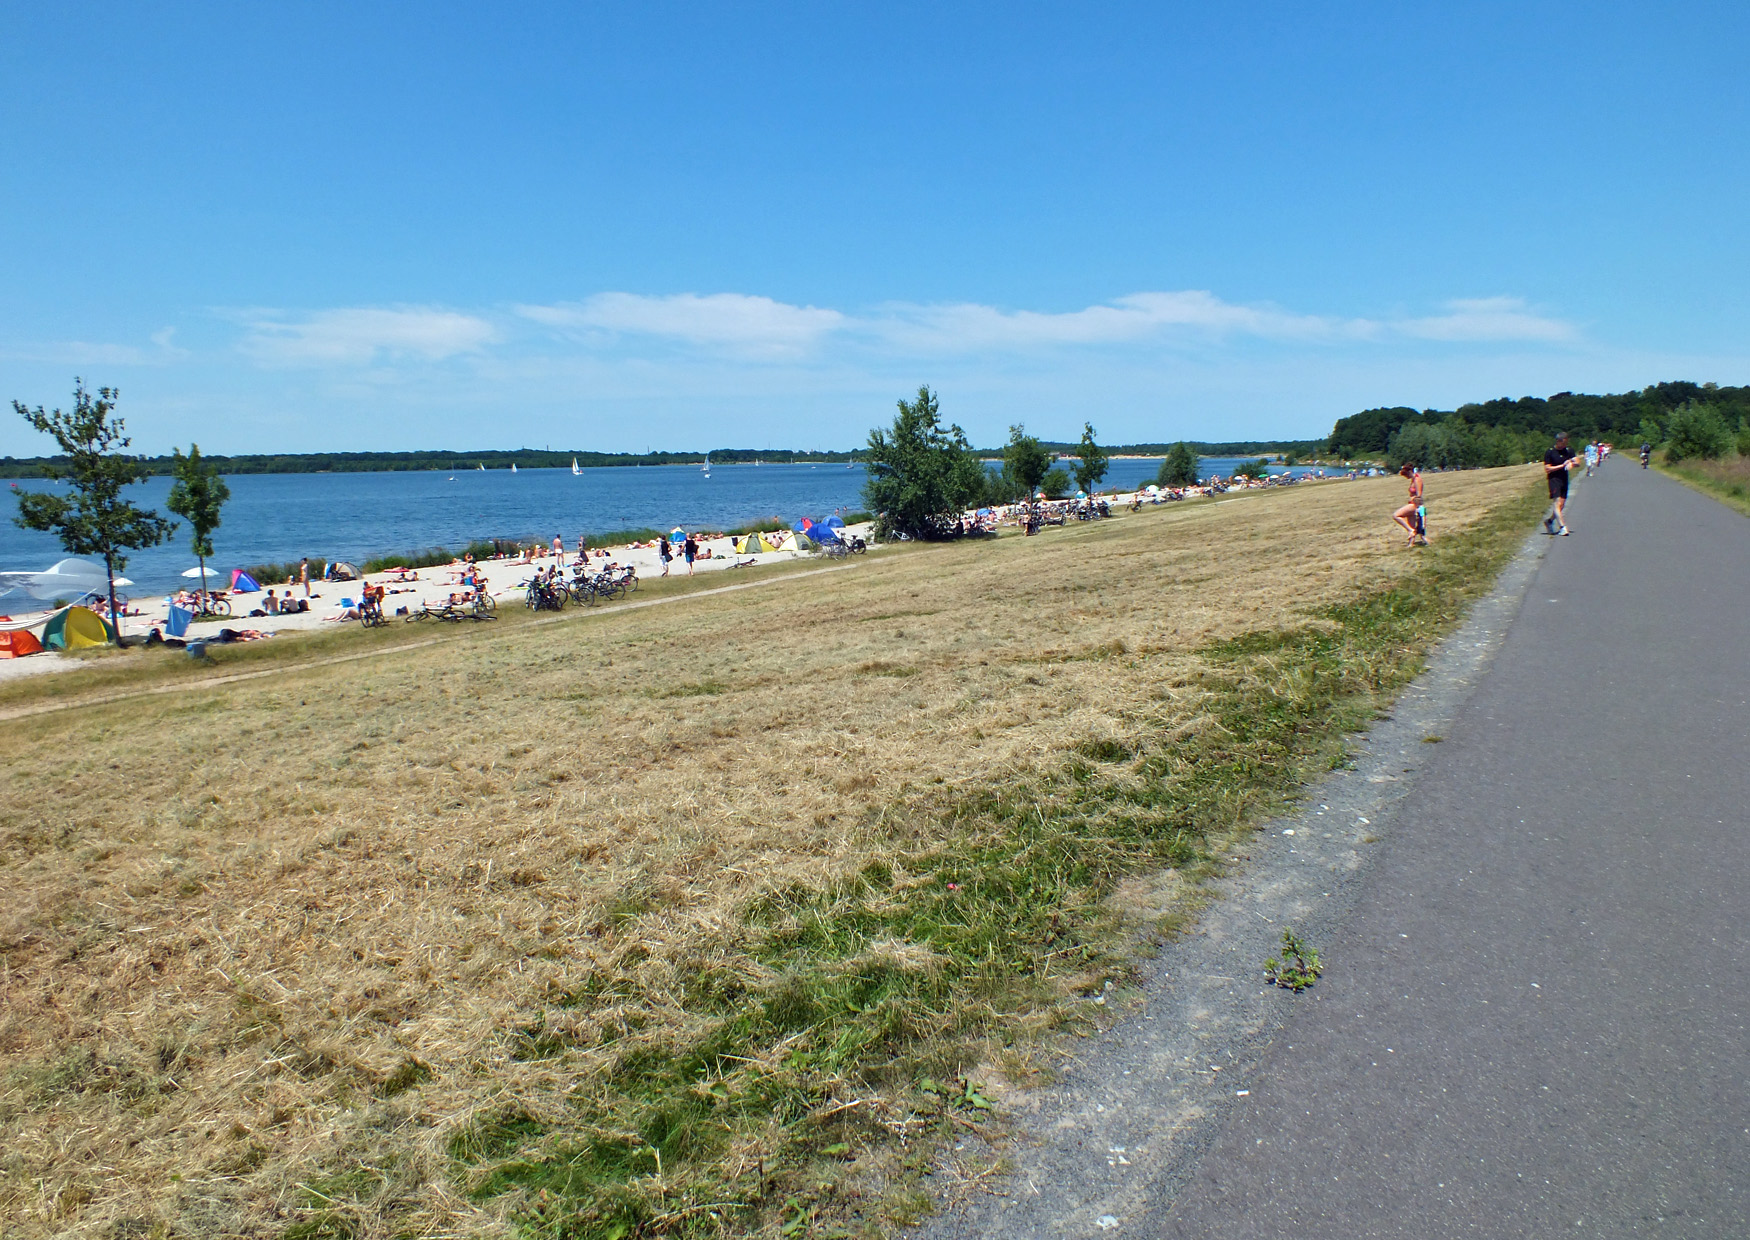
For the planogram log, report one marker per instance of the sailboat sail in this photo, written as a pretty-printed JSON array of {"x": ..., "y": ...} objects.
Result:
[{"x": 574, "y": 469}]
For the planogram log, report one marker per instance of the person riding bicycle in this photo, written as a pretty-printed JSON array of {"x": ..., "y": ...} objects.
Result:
[{"x": 1646, "y": 454}]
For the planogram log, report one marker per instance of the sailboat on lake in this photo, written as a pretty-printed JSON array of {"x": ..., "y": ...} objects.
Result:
[
  {"x": 707, "y": 464},
  {"x": 574, "y": 469}
]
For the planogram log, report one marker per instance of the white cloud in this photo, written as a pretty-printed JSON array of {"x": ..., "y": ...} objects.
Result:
[
  {"x": 760, "y": 326},
  {"x": 734, "y": 321},
  {"x": 90, "y": 353},
  {"x": 357, "y": 337},
  {"x": 1489, "y": 319},
  {"x": 1136, "y": 317}
]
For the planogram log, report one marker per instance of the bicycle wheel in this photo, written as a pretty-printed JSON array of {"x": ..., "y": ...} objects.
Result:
[
  {"x": 219, "y": 606},
  {"x": 485, "y": 601}
]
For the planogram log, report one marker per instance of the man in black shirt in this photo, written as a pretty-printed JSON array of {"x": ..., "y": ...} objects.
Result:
[{"x": 1558, "y": 462}]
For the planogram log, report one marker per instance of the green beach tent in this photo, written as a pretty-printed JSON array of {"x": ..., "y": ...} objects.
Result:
[{"x": 76, "y": 628}]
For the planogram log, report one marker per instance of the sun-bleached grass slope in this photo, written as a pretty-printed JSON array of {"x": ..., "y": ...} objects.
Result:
[{"x": 287, "y": 942}]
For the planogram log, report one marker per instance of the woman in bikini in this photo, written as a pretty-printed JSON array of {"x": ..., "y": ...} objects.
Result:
[{"x": 1409, "y": 516}]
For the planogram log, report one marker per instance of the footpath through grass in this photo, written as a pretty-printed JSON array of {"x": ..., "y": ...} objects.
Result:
[{"x": 710, "y": 919}]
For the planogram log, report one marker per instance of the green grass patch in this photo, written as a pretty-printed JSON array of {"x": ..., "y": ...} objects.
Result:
[{"x": 1727, "y": 480}]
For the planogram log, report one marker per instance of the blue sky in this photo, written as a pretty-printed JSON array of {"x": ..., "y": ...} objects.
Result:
[{"x": 374, "y": 226}]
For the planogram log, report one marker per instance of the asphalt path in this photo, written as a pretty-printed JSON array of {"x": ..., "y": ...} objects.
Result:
[{"x": 1534, "y": 1021}]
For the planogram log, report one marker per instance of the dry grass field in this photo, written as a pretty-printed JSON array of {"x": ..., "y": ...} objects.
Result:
[{"x": 704, "y": 918}]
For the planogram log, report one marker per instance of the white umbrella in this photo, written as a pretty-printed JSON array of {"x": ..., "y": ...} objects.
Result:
[
  {"x": 196, "y": 572},
  {"x": 122, "y": 581}
]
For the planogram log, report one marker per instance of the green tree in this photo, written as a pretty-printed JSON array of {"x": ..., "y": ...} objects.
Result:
[
  {"x": 96, "y": 519},
  {"x": 1055, "y": 484},
  {"x": 1179, "y": 469},
  {"x": 1025, "y": 461},
  {"x": 921, "y": 475},
  {"x": 1092, "y": 460},
  {"x": 1696, "y": 429},
  {"x": 197, "y": 494}
]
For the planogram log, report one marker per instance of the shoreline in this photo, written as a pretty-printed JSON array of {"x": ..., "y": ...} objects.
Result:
[{"x": 505, "y": 579}]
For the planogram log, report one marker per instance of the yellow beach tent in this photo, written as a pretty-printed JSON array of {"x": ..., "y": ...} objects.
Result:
[{"x": 76, "y": 628}]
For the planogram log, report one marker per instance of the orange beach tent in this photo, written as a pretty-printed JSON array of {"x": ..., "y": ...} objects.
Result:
[{"x": 18, "y": 643}]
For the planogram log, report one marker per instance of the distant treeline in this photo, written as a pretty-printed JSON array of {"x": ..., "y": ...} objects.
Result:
[
  {"x": 1240, "y": 447},
  {"x": 529, "y": 458},
  {"x": 1530, "y": 420},
  {"x": 439, "y": 461}
]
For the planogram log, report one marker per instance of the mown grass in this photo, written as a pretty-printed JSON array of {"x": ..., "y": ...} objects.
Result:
[
  {"x": 693, "y": 921},
  {"x": 1727, "y": 480}
]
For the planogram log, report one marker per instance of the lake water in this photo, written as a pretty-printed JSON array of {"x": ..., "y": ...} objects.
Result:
[{"x": 277, "y": 518}]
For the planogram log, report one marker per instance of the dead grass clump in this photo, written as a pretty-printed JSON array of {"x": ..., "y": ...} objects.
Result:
[{"x": 660, "y": 919}]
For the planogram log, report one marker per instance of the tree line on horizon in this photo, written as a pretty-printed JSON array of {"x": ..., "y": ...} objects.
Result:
[
  {"x": 440, "y": 460},
  {"x": 1693, "y": 419}
]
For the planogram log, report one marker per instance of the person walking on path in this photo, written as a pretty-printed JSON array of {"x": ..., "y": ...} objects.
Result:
[
  {"x": 1558, "y": 463},
  {"x": 691, "y": 548},
  {"x": 1410, "y": 515},
  {"x": 666, "y": 552}
]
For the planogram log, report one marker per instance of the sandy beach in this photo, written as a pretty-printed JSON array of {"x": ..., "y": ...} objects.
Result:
[{"x": 505, "y": 579}]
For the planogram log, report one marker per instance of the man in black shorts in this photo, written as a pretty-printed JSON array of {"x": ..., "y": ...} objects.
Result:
[{"x": 1558, "y": 462}]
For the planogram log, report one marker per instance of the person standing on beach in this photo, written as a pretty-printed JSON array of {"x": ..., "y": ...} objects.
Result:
[
  {"x": 667, "y": 554},
  {"x": 304, "y": 575},
  {"x": 559, "y": 550},
  {"x": 1558, "y": 463},
  {"x": 1409, "y": 516},
  {"x": 691, "y": 550}
]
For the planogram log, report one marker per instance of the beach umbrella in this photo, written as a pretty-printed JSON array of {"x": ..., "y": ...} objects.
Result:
[
  {"x": 202, "y": 572},
  {"x": 1081, "y": 495},
  {"x": 122, "y": 581}
]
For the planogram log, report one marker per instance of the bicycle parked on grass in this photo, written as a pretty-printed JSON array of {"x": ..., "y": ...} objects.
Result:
[
  {"x": 545, "y": 594},
  {"x": 478, "y": 606},
  {"x": 611, "y": 583}
]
